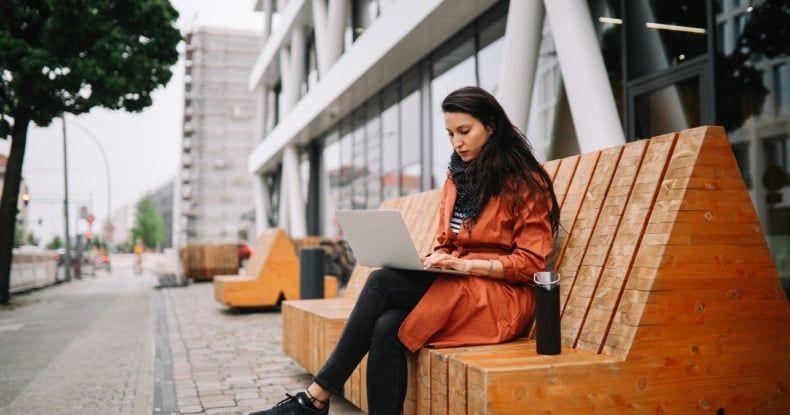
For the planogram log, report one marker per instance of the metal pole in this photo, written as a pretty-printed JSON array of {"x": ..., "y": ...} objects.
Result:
[
  {"x": 67, "y": 254},
  {"x": 107, "y": 174}
]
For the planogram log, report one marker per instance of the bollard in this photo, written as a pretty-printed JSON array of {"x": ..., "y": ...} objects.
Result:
[
  {"x": 311, "y": 273},
  {"x": 547, "y": 313}
]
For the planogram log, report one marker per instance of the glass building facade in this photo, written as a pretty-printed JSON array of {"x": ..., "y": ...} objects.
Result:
[{"x": 671, "y": 64}]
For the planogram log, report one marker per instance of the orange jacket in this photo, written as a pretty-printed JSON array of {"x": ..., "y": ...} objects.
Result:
[{"x": 472, "y": 310}]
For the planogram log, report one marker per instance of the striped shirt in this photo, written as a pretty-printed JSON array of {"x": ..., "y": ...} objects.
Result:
[{"x": 456, "y": 220}]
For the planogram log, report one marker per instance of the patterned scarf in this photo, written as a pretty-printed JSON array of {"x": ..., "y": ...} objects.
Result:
[{"x": 466, "y": 202}]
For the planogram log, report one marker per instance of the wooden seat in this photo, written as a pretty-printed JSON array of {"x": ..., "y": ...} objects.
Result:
[
  {"x": 202, "y": 262},
  {"x": 272, "y": 274},
  {"x": 670, "y": 300}
]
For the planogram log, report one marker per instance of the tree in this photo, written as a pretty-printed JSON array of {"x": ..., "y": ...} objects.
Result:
[
  {"x": 149, "y": 227},
  {"x": 69, "y": 56},
  {"x": 55, "y": 243}
]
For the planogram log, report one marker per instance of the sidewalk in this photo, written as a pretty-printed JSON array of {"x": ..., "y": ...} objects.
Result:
[{"x": 227, "y": 362}]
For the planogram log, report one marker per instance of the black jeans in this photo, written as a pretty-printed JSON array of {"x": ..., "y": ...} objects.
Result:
[{"x": 372, "y": 327}]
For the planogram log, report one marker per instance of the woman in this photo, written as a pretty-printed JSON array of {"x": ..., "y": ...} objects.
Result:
[{"x": 498, "y": 217}]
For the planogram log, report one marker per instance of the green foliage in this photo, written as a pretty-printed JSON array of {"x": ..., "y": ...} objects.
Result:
[
  {"x": 55, "y": 243},
  {"x": 72, "y": 55},
  {"x": 30, "y": 239},
  {"x": 149, "y": 227},
  {"x": 69, "y": 56},
  {"x": 19, "y": 236}
]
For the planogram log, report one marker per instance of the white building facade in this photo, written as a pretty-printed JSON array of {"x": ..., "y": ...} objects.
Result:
[{"x": 348, "y": 92}]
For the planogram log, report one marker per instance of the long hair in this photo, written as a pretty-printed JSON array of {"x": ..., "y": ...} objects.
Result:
[{"x": 506, "y": 162}]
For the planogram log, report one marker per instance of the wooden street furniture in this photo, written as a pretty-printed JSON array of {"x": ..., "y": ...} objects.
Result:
[
  {"x": 670, "y": 300},
  {"x": 271, "y": 275}
]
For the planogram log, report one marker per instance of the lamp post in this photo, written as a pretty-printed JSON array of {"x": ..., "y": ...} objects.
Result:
[
  {"x": 67, "y": 253},
  {"x": 93, "y": 137}
]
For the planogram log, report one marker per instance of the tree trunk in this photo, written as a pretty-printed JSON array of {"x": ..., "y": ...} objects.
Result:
[{"x": 9, "y": 202}]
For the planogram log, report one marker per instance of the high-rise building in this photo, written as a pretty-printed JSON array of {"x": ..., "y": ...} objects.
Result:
[{"x": 218, "y": 135}]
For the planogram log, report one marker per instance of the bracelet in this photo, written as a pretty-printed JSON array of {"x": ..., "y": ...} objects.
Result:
[{"x": 490, "y": 266}]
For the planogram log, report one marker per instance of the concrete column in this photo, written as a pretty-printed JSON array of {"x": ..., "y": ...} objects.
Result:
[
  {"x": 292, "y": 69},
  {"x": 262, "y": 205},
  {"x": 520, "y": 60},
  {"x": 267, "y": 19},
  {"x": 329, "y": 24},
  {"x": 291, "y": 195},
  {"x": 584, "y": 74},
  {"x": 336, "y": 26}
]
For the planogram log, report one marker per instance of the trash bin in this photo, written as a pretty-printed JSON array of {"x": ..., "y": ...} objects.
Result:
[{"x": 311, "y": 272}]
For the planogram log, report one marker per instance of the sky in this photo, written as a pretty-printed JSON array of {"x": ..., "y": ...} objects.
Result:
[{"x": 142, "y": 149}]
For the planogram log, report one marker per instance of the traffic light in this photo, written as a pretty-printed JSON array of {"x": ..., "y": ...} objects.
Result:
[
  {"x": 89, "y": 235},
  {"x": 26, "y": 198}
]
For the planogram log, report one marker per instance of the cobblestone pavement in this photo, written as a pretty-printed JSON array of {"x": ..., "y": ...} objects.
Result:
[{"x": 227, "y": 362}]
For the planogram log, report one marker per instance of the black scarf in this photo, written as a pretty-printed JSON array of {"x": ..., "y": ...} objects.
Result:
[{"x": 467, "y": 200}]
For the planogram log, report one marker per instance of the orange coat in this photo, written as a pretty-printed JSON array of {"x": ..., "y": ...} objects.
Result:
[{"x": 472, "y": 310}]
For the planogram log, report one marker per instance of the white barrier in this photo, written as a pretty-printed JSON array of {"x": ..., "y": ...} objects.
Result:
[{"x": 32, "y": 270}]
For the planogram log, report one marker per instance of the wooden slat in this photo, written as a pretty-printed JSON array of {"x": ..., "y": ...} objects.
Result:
[{"x": 580, "y": 293}]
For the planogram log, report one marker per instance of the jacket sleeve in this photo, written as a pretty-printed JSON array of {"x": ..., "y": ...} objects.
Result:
[{"x": 533, "y": 241}]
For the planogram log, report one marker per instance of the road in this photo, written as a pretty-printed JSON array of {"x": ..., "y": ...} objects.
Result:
[{"x": 83, "y": 347}]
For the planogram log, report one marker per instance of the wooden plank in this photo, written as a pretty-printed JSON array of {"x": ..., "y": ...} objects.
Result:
[{"x": 586, "y": 280}]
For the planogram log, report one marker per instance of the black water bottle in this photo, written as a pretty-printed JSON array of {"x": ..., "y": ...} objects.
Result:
[{"x": 547, "y": 312}]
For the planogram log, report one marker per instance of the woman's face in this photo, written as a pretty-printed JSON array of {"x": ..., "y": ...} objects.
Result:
[{"x": 467, "y": 134}]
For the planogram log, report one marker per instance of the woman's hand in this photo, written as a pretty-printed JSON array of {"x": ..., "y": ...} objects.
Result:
[
  {"x": 446, "y": 261},
  {"x": 489, "y": 268}
]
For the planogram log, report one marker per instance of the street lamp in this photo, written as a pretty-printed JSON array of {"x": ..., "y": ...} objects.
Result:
[{"x": 107, "y": 174}]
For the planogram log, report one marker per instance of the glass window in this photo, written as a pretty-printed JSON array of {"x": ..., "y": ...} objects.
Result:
[
  {"x": 663, "y": 34},
  {"x": 364, "y": 13},
  {"x": 608, "y": 22},
  {"x": 373, "y": 153},
  {"x": 410, "y": 133},
  {"x": 741, "y": 151},
  {"x": 346, "y": 173},
  {"x": 360, "y": 172},
  {"x": 451, "y": 70},
  {"x": 333, "y": 168},
  {"x": 491, "y": 42},
  {"x": 782, "y": 89},
  {"x": 668, "y": 109},
  {"x": 390, "y": 140},
  {"x": 311, "y": 74}
]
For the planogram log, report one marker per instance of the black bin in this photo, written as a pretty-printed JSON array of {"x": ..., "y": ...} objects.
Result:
[{"x": 311, "y": 272}]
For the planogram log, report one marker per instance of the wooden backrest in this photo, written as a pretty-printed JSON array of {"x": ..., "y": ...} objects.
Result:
[
  {"x": 642, "y": 222},
  {"x": 639, "y": 224}
]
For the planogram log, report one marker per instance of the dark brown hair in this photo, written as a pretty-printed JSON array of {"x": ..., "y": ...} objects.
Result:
[{"x": 506, "y": 161}]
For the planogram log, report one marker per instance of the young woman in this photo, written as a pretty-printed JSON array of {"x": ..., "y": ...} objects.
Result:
[{"x": 498, "y": 218}]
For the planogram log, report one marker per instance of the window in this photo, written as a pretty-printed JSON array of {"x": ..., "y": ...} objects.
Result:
[
  {"x": 781, "y": 89},
  {"x": 452, "y": 69}
]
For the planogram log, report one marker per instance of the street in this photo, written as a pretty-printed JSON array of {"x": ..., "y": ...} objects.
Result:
[
  {"x": 116, "y": 343},
  {"x": 83, "y": 347}
]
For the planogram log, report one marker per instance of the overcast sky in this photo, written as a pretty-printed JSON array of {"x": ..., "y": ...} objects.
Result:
[{"x": 143, "y": 149}]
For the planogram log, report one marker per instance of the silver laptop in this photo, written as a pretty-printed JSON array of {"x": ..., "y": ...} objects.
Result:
[{"x": 379, "y": 238}]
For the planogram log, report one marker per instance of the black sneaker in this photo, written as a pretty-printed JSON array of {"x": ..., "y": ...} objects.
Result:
[{"x": 298, "y": 404}]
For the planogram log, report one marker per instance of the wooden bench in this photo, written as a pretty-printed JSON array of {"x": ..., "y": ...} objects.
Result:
[
  {"x": 202, "y": 262},
  {"x": 271, "y": 274},
  {"x": 670, "y": 300}
]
